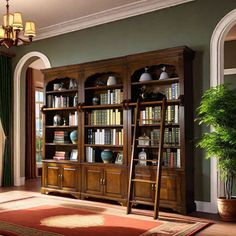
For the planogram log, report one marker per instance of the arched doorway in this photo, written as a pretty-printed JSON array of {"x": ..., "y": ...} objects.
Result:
[
  {"x": 19, "y": 78},
  {"x": 216, "y": 78}
]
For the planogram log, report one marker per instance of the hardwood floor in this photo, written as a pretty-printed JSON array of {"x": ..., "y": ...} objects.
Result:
[{"x": 218, "y": 228}]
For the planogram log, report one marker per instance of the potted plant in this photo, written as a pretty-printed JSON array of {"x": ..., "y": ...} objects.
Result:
[{"x": 218, "y": 111}]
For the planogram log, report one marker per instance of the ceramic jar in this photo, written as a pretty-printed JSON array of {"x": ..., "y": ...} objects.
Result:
[
  {"x": 74, "y": 136},
  {"x": 106, "y": 155},
  {"x": 95, "y": 100}
]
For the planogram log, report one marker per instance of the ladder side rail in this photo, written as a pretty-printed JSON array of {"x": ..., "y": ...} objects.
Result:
[
  {"x": 160, "y": 155},
  {"x": 130, "y": 186}
]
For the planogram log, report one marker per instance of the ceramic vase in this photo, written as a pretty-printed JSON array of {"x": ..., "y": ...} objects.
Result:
[
  {"x": 107, "y": 155},
  {"x": 74, "y": 136}
]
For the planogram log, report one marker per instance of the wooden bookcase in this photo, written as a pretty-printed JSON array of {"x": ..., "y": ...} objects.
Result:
[{"x": 105, "y": 121}]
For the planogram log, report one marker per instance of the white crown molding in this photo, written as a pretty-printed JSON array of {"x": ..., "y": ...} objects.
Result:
[{"x": 118, "y": 13}]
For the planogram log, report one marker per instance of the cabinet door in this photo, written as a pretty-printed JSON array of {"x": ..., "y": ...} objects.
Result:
[
  {"x": 114, "y": 182},
  {"x": 52, "y": 176},
  {"x": 144, "y": 191},
  {"x": 69, "y": 179},
  {"x": 93, "y": 180}
]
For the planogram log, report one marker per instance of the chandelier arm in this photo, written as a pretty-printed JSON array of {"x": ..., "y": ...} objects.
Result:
[{"x": 25, "y": 41}]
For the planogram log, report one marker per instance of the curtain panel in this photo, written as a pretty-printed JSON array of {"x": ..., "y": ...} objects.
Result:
[
  {"x": 6, "y": 111},
  {"x": 30, "y": 148}
]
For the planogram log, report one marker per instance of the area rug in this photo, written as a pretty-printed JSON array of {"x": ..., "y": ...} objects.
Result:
[{"x": 42, "y": 216}]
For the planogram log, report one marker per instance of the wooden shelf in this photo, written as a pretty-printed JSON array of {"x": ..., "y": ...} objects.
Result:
[
  {"x": 60, "y": 109},
  {"x": 59, "y": 161},
  {"x": 61, "y": 127},
  {"x": 103, "y": 146},
  {"x": 103, "y": 126},
  {"x": 166, "y": 146},
  {"x": 64, "y": 91},
  {"x": 156, "y": 103},
  {"x": 105, "y": 87},
  {"x": 157, "y": 82},
  {"x": 62, "y": 144},
  {"x": 105, "y": 106}
]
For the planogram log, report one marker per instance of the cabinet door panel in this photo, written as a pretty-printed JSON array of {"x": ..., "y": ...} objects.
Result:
[
  {"x": 168, "y": 188},
  {"x": 53, "y": 177},
  {"x": 114, "y": 182},
  {"x": 69, "y": 178},
  {"x": 93, "y": 180},
  {"x": 143, "y": 191}
]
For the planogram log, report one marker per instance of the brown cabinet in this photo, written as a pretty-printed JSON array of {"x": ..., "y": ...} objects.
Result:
[
  {"x": 61, "y": 177},
  {"x": 171, "y": 185},
  {"x": 97, "y": 100},
  {"x": 109, "y": 182}
]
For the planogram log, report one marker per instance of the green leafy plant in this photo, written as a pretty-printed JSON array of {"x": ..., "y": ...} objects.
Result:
[{"x": 218, "y": 110}]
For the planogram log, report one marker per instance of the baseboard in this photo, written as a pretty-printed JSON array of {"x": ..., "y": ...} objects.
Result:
[{"x": 208, "y": 207}]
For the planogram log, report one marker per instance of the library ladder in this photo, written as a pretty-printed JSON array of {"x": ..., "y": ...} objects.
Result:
[{"x": 157, "y": 182}]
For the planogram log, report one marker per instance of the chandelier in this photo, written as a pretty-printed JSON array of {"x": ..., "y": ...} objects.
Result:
[{"x": 11, "y": 31}]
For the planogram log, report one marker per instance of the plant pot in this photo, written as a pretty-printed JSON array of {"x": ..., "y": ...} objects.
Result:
[{"x": 227, "y": 208}]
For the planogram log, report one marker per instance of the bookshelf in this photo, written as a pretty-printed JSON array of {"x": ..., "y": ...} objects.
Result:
[{"x": 98, "y": 100}]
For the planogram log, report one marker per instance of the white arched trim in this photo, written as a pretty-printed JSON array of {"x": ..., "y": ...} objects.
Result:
[
  {"x": 21, "y": 66},
  {"x": 216, "y": 78}
]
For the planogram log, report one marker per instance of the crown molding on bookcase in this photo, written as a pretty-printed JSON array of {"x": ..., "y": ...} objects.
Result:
[{"x": 117, "y": 13}]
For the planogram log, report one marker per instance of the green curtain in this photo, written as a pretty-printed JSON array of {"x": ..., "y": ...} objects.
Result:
[{"x": 6, "y": 92}]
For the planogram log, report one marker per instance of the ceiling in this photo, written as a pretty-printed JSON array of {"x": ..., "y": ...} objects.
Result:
[{"x": 53, "y": 17}]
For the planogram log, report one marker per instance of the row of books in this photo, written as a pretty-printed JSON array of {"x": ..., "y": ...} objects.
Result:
[
  {"x": 61, "y": 155},
  {"x": 172, "y": 136},
  {"x": 152, "y": 115},
  {"x": 171, "y": 92},
  {"x": 61, "y": 137},
  {"x": 104, "y": 117},
  {"x": 171, "y": 158},
  {"x": 90, "y": 154},
  {"x": 105, "y": 136},
  {"x": 111, "y": 97},
  {"x": 58, "y": 101},
  {"x": 73, "y": 118}
]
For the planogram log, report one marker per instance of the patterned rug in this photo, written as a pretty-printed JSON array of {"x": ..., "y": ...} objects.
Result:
[{"x": 50, "y": 216}]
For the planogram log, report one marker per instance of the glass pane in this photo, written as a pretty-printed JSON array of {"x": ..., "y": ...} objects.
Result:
[
  {"x": 41, "y": 97},
  {"x": 37, "y": 110}
]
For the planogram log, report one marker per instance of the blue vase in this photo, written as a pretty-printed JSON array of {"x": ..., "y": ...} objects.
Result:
[
  {"x": 107, "y": 155},
  {"x": 74, "y": 136}
]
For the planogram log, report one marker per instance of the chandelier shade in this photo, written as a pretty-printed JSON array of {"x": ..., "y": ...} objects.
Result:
[{"x": 12, "y": 29}]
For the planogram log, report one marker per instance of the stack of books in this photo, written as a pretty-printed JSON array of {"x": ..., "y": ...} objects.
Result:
[
  {"x": 61, "y": 155},
  {"x": 61, "y": 137}
]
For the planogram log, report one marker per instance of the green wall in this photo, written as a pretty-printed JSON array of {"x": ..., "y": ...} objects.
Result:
[{"x": 190, "y": 24}]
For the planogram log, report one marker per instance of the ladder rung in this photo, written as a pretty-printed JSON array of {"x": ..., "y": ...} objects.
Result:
[
  {"x": 144, "y": 181},
  {"x": 147, "y": 160},
  {"x": 142, "y": 202}
]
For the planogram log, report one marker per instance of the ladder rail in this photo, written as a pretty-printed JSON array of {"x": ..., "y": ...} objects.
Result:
[
  {"x": 160, "y": 158},
  {"x": 130, "y": 187}
]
